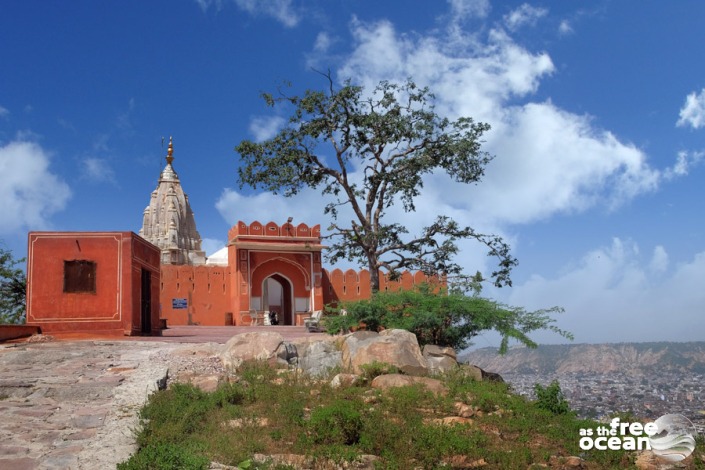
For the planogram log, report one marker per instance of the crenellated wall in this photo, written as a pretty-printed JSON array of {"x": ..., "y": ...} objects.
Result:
[
  {"x": 348, "y": 285},
  {"x": 223, "y": 295}
]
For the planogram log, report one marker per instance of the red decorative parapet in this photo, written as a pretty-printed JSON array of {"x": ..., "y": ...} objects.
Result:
[{"x": 272, "y": 229}]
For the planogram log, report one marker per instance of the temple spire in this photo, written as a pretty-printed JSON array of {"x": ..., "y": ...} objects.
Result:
[
  {"x": 168, "y": 220},
  {"x": 170, "y": 151}
]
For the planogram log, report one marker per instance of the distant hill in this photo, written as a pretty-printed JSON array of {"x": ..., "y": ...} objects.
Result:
[{"x": 628, "y": 358}]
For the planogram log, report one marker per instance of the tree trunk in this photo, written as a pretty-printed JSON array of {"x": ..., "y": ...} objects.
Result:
[{"x": 374, "y": 277}]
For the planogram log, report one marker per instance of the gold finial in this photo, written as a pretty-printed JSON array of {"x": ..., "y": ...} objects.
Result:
[{"x": 170, "y": 152}]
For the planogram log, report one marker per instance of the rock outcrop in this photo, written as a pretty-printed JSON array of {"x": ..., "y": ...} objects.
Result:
[
  {"x": 385, "y": 382},
  {"x": 439, "y": 359},
  {"x": 396, "y": 347},
  {"x": 258, "y": 345}
]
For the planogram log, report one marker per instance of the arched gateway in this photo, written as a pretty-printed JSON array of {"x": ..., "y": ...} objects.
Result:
[{"x": 276, "y": 268}]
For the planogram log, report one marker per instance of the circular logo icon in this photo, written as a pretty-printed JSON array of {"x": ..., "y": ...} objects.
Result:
[{"x": 674, "y": 439}]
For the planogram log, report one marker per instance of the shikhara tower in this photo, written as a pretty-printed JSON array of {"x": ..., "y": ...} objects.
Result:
[{"x": 168, "y": 220}]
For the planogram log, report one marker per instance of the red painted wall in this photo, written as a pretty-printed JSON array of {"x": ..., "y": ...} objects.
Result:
[
  {"x": 115, "y": 306},
  {"x": 206, "y": 291}
]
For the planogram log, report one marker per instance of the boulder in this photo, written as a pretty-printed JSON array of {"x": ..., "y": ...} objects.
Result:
[
  {"x": 318, "y": 357},
  {"x": 256, "y": 345},
  {"x": 287, "y": 354},
  {"x": 396, "y": 347},
  {"x": 477, "y": 373},
  {"x": 345, "y": 380},
  {"x": 439, "y": 359},
  {"x": 474, "y": 372},
  {"x": 387, "y": 381}
]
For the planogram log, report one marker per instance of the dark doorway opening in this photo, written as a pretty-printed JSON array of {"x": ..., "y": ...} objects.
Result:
[
  {"x": 146, "y": 303},
  {"x": 278, "y": 297}
]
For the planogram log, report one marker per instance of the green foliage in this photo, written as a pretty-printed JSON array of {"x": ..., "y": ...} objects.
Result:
[
  {"x": 451, "y": 319},
  {"x": 338, "y": 423},
  {"x": 376, "y": 368},
  {"x": 395, "y": 136},
  {"x": 13, "y": 288},
  {"x": 165, "y": 456},
  {"x": 401, "y": 426},
  {"x": 551, "y": 398}
]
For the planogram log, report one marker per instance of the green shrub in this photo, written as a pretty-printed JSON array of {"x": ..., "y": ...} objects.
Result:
[
  {"x": 444, "y": 318},
  {"x": 338, "y": 423},
  {"x": 550, "y": 398},
  {"x": 376, "y": 368},
  {"x": 165, "y": 456}
]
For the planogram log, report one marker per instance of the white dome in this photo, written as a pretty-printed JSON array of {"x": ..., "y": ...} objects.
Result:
[{"x": 219, "y": 258}]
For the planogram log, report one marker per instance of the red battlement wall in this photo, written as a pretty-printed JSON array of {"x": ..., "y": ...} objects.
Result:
[{"x": 355, "y": 285}]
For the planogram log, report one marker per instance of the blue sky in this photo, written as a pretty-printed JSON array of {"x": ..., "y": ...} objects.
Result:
[{"x": 597, "y": 112}]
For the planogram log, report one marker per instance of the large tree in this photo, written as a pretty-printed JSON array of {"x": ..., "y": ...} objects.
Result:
[
  {"x": 13, "y": 286},
  {"x": 369, "y": 151}
]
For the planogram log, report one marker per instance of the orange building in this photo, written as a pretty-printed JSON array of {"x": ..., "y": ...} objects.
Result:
[
  {"x": 127, "y": 283},
  {"x": 99, "y": 282}
]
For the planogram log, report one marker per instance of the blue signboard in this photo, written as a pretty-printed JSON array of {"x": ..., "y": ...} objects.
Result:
[{"x": 179, "y": 303}]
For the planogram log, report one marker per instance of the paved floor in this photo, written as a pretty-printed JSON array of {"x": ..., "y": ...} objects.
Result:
[{"x": 73, "y": 403}]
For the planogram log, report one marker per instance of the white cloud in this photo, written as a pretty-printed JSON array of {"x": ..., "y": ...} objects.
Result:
[
  {"x": 659, "y": 260},
  {"x": 462, "y": 9},
  {"x": 614, "y": 295},
  {"x": 565, "y": 28},
  {"x": 280, "y": 10},
  {"x": 684, "y": 161},
  {"x": 29, "y": 191},
  {"x": 97, "y": 170},
  {"x": 263, "y": 127},
  {"x": 693, "y": 111},
  {"x": 323, "y": 42},
  {"x": 4, "y": 113},
  {"x": 525, "y": 15},
  {"x": 548, "y": 160}
]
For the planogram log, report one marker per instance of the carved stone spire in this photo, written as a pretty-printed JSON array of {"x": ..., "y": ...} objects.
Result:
[{"x": 169, "y": 222}]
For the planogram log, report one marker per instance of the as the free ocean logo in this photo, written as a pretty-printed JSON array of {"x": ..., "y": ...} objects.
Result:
[{"x": 671, "y": 437}]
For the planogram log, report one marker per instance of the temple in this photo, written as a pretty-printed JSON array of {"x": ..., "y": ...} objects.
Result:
[
  {"x": 136, "y": 285},
  {"x": 168, "y": 220}
]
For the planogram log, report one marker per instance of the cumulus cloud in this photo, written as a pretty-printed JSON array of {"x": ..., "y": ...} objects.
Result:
[
  {"x": 264, "y": 127},
  {"x": 548, "y": 160},
  {"x": 29, "y": 191},
  {"x": 615, "y": 295},
  {"x": 525, "y": 15},
  {"x": 693, "y": 111},
  {"x": 4, "y": 112}
]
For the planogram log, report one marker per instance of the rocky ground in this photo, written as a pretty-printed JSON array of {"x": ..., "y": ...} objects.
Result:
[{"x": 74, "y": 404}]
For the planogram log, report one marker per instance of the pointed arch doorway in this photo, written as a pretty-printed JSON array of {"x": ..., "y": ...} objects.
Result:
[{"x": 277, "y": 295}]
